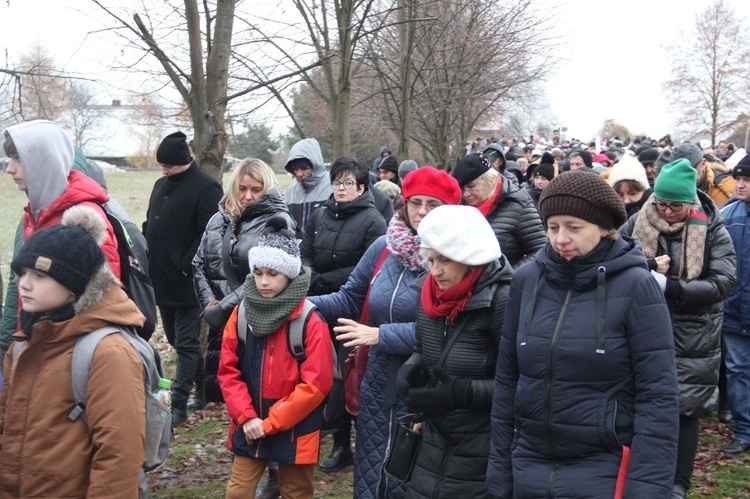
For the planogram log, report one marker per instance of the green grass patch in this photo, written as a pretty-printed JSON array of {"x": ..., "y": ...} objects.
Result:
[{"x": 204, "y": 491}]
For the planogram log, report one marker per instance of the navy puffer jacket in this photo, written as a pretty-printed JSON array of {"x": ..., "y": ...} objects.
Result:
[
  {"x": 586, "y": 366},
  {"x": 737, "y": 221},
  {"x": 393, "y": 307}
]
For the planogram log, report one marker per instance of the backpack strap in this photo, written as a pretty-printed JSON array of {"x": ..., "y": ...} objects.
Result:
[
  {"x": 16, "y": 349},
  {"x": 241, "y": 323},
  {"x": 296, "y": 331},
  {"x": 80, "y": 367}
]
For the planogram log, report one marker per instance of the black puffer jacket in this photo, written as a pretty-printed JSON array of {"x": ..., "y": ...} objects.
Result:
[
  {"x": 516, "y": 223},
  {"x": 452, "y": 459},
  {"x": 586, "y": 366},
  {"x": 697, "y": 310},
  {"x": 338, "y": 235},
  {"x": 209, "y": 276}
]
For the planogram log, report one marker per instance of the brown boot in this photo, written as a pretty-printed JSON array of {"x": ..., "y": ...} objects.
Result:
[{"x": 271, "y": 488}]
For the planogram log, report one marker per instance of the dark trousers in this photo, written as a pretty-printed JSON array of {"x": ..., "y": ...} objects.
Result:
[
  {"x": 687, "y": 446},
  {"x": 182, "y": 325}
]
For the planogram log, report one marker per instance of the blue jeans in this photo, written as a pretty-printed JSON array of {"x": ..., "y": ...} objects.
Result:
[{"x": 737, "y": 360}]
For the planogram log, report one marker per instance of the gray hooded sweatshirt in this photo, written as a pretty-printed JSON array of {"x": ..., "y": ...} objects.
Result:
[
  {"x": 303, "y": 199},
  {"x": 46, "y": 153}
]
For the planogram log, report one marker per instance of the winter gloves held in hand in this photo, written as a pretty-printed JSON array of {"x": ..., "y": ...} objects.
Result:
[{"x": 451, "y": 392}]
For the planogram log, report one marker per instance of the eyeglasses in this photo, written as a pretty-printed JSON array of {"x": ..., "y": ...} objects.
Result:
[
  {"x": 417, "y": 205},
  {"x": 470, "y": 190},
  {"x": 348, "y": 184},
  {"x": 674, "y": 207}
]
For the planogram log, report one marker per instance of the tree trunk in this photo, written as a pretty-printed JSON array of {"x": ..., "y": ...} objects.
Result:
[{"x": 406, "y": 29}]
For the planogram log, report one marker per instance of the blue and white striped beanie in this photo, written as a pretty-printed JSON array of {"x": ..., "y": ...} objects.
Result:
[{"x": 277, "y": 249}]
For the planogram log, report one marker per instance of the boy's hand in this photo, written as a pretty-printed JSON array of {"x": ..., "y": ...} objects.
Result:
[{"x": 253, "y": 429}]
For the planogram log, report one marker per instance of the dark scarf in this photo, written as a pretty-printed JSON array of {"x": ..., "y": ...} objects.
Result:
[
  {"x": 438, "y": 303},
  {"x": 404, "y": 243},
  {"x": 30, "y": 319},
  {"x": 266, "y": 315}
]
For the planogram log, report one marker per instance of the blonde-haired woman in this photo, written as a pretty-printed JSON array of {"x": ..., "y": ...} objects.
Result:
[
  {"x": 507, "y": 207},
  {"x": 220, "y": 265}
]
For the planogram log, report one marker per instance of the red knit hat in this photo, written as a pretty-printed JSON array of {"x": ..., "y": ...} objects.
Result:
[{"x": 428, "y": 181}]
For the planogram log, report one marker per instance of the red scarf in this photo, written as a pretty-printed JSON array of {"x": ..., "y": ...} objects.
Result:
[
  {"x": 486, "y": 207},
  {"x": 438, "y": 303}
]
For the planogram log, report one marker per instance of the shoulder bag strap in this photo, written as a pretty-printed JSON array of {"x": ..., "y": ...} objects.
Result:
[
  {"x": 375, "y": 272},
  {"x": 226, "y": 260},
  {"x": 448, "y": 347}
]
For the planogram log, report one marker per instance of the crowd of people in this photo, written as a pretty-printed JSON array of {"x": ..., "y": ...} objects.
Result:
[{"x": 552, "y": 318}]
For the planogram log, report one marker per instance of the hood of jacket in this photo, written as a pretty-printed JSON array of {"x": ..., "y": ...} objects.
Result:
[
  {"x": 46, "y": 153},
  {"x": 346, "y": 209},
  {"x": 309, "y": 149},
  {"x": 581, "y": 273}
]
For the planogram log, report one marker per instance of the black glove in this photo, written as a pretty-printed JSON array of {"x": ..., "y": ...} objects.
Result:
[
  {"x": 214, "y": 317},
  {"x": 410, "y": 376},
  {"x": 452, "y": 393}
]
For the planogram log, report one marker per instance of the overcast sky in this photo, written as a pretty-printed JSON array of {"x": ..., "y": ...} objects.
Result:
[{"x": 613, "y": 54}]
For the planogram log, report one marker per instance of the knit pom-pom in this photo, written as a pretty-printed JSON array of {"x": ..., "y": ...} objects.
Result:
[
  {"x": 276, "y": 224},
  {"x": 547, "y": 158},
  {"x": 88, "y": 219}
]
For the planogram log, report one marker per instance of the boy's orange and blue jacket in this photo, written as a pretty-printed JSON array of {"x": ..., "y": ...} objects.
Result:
[{"x": 264, "y": 380}]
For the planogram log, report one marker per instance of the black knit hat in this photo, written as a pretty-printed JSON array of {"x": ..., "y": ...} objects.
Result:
[
  {"x": 173, "y": 150},
  {"x": 470, "y": 167},
  {"x": 546, "y": 170},
  {"x": 584, "y": 195},
  {"x": 586, "y": 157},
  {"x": 648, "y": 155},
  {"x": 68, "y": 254},
  {"x": 389, "y": 163},
  {"x": 742, "y": 169}
]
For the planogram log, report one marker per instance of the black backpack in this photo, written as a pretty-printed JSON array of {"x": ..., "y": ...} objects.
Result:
[{"x": 134, "y": 270}]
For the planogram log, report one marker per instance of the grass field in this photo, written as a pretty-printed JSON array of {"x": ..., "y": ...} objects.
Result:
[{"x": 199, "y": 464}]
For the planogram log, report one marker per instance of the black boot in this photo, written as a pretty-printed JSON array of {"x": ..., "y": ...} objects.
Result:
[
  {"x": 340, "y": 457},
  {"x": 199, "y": 402},
  {"x": 271, "y": 489},
  {"x": 179, "y": 416}
]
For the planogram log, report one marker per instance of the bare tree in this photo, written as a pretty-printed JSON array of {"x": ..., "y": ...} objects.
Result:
[
  {"x": 710, "y": 83},
  {"x": 82, "y": 112},
  {"x": 468, "y": 58}
]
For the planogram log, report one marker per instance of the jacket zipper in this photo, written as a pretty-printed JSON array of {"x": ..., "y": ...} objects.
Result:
[
  {"x": 260, "y": 390},
  {"x": 551, "y": 368},
  {"x": 381, "y": 473}
]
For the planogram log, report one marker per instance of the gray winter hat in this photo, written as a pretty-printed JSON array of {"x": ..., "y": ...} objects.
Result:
[
  {"x": 277, "y": 249},
  {"x": 407, "y": 166}
]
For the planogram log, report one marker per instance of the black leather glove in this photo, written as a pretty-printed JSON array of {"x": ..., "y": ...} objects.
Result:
[
  {"x": 452, "y": 393},
  {"x": 410, "y": 376},
  {"x": 214, "y": 316}
]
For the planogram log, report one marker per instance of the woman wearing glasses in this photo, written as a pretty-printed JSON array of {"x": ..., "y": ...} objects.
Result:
[
  {"x": 341, "y": 231},
  {"x": 507, "y": 207},
  {"x": 383, "y": 277},
  {"x": 691, "y": 256}
]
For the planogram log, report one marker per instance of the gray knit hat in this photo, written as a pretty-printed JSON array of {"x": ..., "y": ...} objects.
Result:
[
  {"x": 277, "y": 249},
  {"x": 407, "y": 166}
]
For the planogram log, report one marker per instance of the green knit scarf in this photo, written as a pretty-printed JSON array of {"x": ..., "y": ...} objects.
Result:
[{"x": 266, "y": 315}]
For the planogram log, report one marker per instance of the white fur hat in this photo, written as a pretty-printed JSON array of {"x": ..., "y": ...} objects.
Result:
[
  {"x": 276, "y": 249},
  {"x": 459, "y": 233},
  {"x": 628, "y": 168}
]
